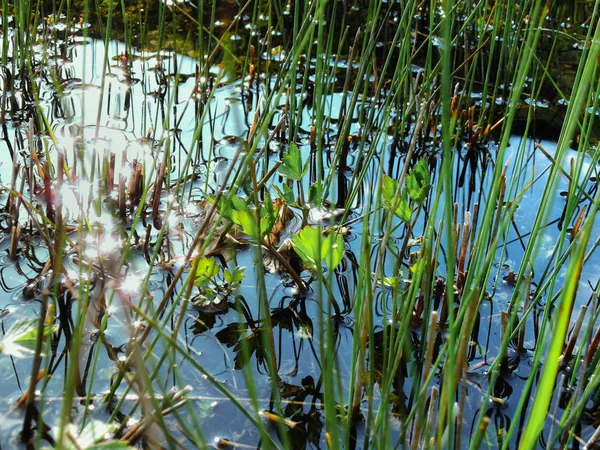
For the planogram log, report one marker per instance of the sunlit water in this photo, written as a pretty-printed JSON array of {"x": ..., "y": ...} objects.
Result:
[{"x": 147, "y": 113}]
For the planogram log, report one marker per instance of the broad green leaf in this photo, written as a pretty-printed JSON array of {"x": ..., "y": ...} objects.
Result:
[
  {"x": 239, "y": 204},
  {"x": 418, "y": 182},
  {"x": 390, "y": 282},
  {"x": 234, "y": 278},
  {"x": 306, "y": 245},
  {"x": 332, "y": 250},
  {"x": 315, "y": 194},
  {"x": 418, "y": 267},
  {"x": 247, "y": 221},
  {"x": 267, "y": 215},
  {"x": 403, "y": 209},
  {"x": 20, "y": 339},
  {"x": 286, "y": 193},
  {"x": 224, "y": 207},
  {"x": 292, "y": 164},
  {"x": 207, "y": 268}
]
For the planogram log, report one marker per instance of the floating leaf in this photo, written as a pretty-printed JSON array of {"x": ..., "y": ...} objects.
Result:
[{"x": 21, "y": 337}]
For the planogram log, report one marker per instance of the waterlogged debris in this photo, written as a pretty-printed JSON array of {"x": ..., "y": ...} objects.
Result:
[{"x": 274, "y": 418}]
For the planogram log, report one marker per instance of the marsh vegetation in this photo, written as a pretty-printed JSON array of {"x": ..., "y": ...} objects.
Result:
[{"x": 299, "y": 224}]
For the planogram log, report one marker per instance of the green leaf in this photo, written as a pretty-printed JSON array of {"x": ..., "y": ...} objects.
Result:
[
  {"x": 306, "y": 245},
  {"x": 418, "y": 182},
  {"x": 246, "y": 220},
  {"x": 239, "y": 204},
  {"x": 403, "y": 209},
  {"x": 315, "y": 194},
  {"x": 291, "y": 167},
  {"x": 332, "y": 250},
  {"x": 267, "y": 215},
  {"x": 20, "y": 339},
  {"x": 207, "y": 268},
  {"x": 286, "y": 193},
  {"x": 234, "y": 278},
  {"x": 224, "y": 207}
]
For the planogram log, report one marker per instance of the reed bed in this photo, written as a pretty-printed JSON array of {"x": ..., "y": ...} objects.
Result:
[{"x": 301, "y": 224}]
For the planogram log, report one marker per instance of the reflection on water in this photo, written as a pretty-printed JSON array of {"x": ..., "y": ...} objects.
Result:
[{"x": 148, "y": 126}]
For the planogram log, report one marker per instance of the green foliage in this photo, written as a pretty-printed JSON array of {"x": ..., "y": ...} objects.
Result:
[
  {"x": 292, "y": 167},
  {"x": 388, "y": 191},
  {"x": 20, "y": 339},
  {"x": 418, "y": 182},
  {"x": 331, "y": 249},
  {"x": 315, "y": 194},
  {"x": 286, "y": 193},
  {"x": 210, "y": 285},
  {"x": 242, "y": 215},
  {"x": 207, "y": 268},
  {"x": 234, "y": 278}
]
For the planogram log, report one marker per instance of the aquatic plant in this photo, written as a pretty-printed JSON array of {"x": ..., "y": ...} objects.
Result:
[{"x": 294, "y": 224}]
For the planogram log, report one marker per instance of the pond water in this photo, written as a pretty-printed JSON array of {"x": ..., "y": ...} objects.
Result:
[{"x": 147, "y": 112}]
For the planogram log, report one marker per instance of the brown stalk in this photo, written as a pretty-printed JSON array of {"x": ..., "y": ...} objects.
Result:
[
  {"x": 15, "y": 235},
  {"x": 160, "y": 174},
  {"x": 122, "y": 199},
  {"x": 593, "y": 347},
  {"x": 568, "y": 353},
  {"x": 465, "y": 242},
  {"x": 431, "y": 417},
  {"x": 110, "y": 177}
]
